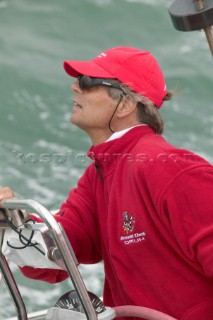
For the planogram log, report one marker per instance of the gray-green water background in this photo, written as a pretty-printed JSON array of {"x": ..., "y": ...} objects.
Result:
[{"x": 42, "y": 154}]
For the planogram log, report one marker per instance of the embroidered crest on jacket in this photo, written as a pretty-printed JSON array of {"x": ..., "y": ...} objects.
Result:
[{"x": 128, "y": 222}]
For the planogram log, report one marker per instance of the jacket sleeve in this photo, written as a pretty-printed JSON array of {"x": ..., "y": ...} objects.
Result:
[
  {"x": 187, "y": 208},
  {"x": 79, "y": 219},
  {"x": 46, "y": 275}
]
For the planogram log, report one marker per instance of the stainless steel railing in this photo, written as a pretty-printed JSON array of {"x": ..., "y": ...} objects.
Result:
[{"x": 65, "y": 251}]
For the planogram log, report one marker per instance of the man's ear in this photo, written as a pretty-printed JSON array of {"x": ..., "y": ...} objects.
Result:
[{"x": 126, "y": 107}]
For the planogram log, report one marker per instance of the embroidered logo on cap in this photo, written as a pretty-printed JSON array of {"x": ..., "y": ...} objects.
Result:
[{"x": 102, "y": 55}]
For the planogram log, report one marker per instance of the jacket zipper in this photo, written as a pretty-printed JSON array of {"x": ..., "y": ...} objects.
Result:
[{"x": 122, "y": 294}]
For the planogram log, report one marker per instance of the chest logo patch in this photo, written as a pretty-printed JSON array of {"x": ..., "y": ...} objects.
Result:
[
  {"x": 128, "y": 222},
  {"x": 130, "y": 236}
]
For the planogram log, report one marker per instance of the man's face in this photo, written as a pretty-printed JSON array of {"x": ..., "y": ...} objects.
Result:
[{"x": 92, "y": 108}]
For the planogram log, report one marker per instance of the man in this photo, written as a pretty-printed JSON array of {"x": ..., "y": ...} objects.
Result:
[{"x": 144, "y": 207}]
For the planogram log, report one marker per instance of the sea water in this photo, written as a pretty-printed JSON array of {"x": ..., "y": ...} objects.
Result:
[{"x": 42, "y": 154}]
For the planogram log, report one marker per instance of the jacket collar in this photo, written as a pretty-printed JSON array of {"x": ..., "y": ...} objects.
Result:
[{"x": 110, "y": 151}]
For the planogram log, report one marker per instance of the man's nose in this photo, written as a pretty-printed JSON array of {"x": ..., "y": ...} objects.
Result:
[{"x": 75, "y": 86}]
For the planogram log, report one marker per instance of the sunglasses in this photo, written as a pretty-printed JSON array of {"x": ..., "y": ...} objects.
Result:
[{"x": 86, "y": 82}]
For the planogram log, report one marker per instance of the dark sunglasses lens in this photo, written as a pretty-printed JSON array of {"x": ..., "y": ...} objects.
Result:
[{"x": 84, "y": 82}]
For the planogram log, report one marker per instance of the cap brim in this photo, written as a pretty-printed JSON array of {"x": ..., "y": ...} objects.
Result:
[{"x": 74, "y": 68}]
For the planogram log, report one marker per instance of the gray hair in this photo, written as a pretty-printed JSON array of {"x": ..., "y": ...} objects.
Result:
[{"x": 147, "y": 112}]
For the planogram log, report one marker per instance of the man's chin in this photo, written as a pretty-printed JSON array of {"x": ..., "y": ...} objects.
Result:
[{"x": 76, "y": 123}]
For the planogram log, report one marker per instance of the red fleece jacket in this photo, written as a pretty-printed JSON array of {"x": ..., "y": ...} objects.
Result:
[{"x": 146, "y": 209}]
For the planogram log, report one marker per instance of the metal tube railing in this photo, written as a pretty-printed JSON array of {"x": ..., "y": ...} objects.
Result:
[
  {"x": 13, "y": 289},
  {"x": 64, "y": 248}
]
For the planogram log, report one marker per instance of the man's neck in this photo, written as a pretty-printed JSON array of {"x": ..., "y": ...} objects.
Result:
[
  {"x": 98, "y": 137},
  {"x": 101, "y": 135},
  {"x": 119, "y": 134}
]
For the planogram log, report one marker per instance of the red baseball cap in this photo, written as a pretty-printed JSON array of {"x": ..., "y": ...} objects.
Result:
[{"x": 137, "y": 69}]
